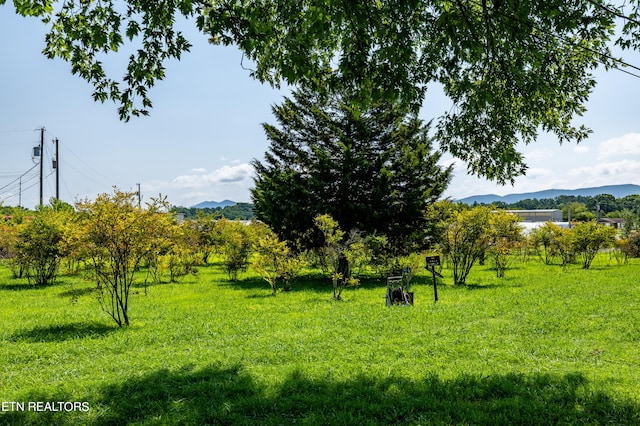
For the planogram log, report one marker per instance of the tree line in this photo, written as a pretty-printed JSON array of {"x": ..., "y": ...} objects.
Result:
[
  {"x": 582, "y": 207},
  {"x": 575, "y": 207},
  {"x": 239, "y": 211}
]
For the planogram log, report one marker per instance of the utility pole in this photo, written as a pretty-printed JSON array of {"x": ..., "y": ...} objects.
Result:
[
  {"x": 139, "y": 195},
  {"x": 57, "y": 167},
  {"x": 41, "y": 163}
]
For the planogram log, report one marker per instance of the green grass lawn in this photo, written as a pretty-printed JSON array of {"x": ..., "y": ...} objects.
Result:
[{"x": 541, "y": 346}]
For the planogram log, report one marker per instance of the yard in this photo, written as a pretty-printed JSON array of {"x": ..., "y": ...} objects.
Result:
[{"x": 540, "y": 346}]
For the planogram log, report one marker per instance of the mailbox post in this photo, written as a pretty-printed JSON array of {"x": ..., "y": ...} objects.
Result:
[{"x": 432, "y": 262}]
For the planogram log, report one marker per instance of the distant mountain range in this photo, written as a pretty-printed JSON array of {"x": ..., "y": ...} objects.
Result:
[
  {"x": 618, "y": 191},
  {"x": 214, "y": 204}
]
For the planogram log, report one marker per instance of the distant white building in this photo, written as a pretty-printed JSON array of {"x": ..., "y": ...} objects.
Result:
[
  {"x": 529, "y": 226},
  {"x": 542, "y": 215}
]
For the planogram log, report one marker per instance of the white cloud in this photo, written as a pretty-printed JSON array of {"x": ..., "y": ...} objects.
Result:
[
  {"x": 611, "y": 173},
  {"x": 226, "y": 174},
  {"x": 234, "y": 173},
  {"x": 537, "y": 155},
  {"x": 581, "y": 149},
  {"x": 538, "y": 172},
  {"x": 228, "y": 182},
  {"x": 626, "y": 145},
  {"x": 458, "y": 165}
]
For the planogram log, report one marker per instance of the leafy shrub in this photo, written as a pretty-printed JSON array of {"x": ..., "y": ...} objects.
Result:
[
  {"x": 465, "y": 240},
  {"x": 341, "y": 251},
  {"x": 8, "y": 248},
  {"x": 589, "y": 238},
  {"x": 541, "y": 238},
  {"x": 505, "y": 235},
  {"x": 634, "y": 244},
  {"x": 38, "y": 250},
  {"x": 275, "y": 262},
  {"x": 235, "y": 242},
  {"x": 119, "y": 236}
]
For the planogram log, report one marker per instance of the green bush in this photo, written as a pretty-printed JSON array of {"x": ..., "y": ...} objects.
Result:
[
  {"x": 38, "y": 249},
  {"x": 631, "y": 246},
  {"x": 589, "y": 238},
  {"x": 235, "y": 242}
]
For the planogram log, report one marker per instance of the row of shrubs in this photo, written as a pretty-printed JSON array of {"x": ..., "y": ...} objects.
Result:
[
  {"x": 34, "y": 245},
  {"x": 111, "y": 239}
]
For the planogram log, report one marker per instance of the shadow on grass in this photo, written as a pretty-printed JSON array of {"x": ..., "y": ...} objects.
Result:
[
  {"x": 253, "y": 283},
  {"x": 231, "y": 396},
  {"x": 77, "y": 292},
  {"x": 311, "y": 284},
  {"x": 24, "y": 286},
  {"x": 62, "y": 332},
  {"x": 474, "y": 286}
]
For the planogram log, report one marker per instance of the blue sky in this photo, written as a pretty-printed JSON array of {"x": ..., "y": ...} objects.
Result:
[{"x": 205, "y": 128}]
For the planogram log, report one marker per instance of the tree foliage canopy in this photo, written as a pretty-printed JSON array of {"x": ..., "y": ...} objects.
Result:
[
  {"x": 370, "y": 169},
  {"x": 511, "y": 68}
]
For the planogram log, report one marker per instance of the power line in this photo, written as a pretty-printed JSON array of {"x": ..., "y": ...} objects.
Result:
[
  {"x": 26, "y": 188},
  {"x": 89, "y": 167},
  {"x": 15, "y": 131},
  {"x": 9, "y": 174},
  {"x": 18, "y": 186},
  {"x": 11, "y": 143},
  {"x": 615, "y": 12},
  {"x": 64, "y": 182},
  {"x": 23, "y": 182},
  {"x": 18, "y": 178}
]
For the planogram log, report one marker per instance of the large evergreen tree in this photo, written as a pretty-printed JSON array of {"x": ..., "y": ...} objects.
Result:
[{"x": 371, "y": 169}]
